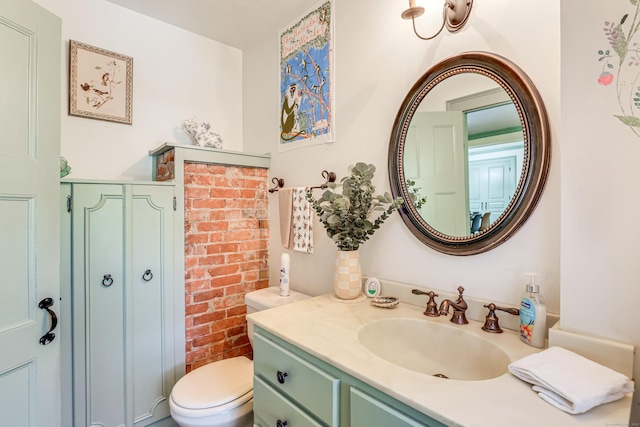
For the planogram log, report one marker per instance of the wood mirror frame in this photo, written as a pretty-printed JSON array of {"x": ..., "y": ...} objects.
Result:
[{"x": 537, "y": 151}]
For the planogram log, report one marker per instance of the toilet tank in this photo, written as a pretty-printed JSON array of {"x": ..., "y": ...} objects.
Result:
[{"x": 264, "y": 299}]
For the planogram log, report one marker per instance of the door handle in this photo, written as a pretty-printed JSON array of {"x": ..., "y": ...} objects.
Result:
[{"x": 49, "y": 336}]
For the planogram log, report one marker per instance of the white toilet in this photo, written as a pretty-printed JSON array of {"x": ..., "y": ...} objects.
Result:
[{"x": 220, "y": 394}]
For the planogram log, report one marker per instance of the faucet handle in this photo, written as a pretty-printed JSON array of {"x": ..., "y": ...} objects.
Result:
[
  {"x": 491, "y": 321},
  {"x": 432, "y": 306}
]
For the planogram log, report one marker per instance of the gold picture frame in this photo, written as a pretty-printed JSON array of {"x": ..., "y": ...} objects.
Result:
[{"x": 100, "y": 83}]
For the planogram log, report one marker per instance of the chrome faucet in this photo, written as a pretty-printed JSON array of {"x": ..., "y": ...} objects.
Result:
[{"x": 459, "y": 308}]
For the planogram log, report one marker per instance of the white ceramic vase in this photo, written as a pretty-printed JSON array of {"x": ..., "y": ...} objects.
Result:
[{"x": 347, "y": 275}]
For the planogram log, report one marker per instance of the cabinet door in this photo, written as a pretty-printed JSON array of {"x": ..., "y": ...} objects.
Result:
[
  {"x": 123, "y": 335},
  {"x": 98, "y": 300},
  {"x": 367, "y": 411},
  {"x": 150, "y": 290},
  {"x": 298, "y": 379}
]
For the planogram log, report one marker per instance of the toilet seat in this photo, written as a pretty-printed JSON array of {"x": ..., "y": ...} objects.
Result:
[{"x": 214, "y": 388}]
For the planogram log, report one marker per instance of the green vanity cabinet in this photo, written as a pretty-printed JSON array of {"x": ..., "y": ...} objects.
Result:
[
  {"x": 121, "y": 342},
  {"x": 367, "y": 411},
  {"x": 296, "y": 388}
]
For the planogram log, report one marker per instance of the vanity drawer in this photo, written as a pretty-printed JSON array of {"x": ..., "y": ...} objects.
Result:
[
  {"x": 311, "y": 387},
  {"x": 269, "y": 407},
  {"x": 367, "y": 411}
]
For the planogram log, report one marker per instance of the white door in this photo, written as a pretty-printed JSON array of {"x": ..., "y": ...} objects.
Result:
[
  {"x": 436, "y": 159},
  {"x": 30, "y": 41}
]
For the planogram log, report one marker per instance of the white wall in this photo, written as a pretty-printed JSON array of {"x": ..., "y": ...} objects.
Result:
[
  {"x": 600, "y": 202},
  {"x": 378, "y": 59},
  {"x": 177, "y": 75}
]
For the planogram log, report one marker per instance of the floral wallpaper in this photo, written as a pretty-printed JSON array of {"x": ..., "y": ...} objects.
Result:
[{"x": 621, "y": 65}]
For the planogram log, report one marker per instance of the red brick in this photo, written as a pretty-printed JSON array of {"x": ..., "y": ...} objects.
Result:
[
  {"x": 226, "y": 280},
  {"x": 239, "y": 310},
  {"x": 196, "y": 308},
  {"x": 195, "y": 193},
  {"x": 224, "y": 193},
  {"x": 197, "y": 331},
  {"x": 209, "y": 339},
  {"x": 201, "y": 238},
  {"x": 224, "y": 270},
  {"x": 209, "y": 203},
  {"x": 208, "y": 295},
  {"x": 250, "y": 245},
  {"x": 243, "y": 224},
  {"x": 216, "y": 169},
  {"x": 238, "y": 330},
  {"x": 212, "y": 225},
  {"x": 197, "y": 285},
  {"x": 195, "y": 273},
  {"x": 222, "y": 248},
  {"x": 240, "y": 235},
  {"x": 210, "y": 260},
  {"x": 239, "y": 257},
  {"x": 208, "y": 318}
]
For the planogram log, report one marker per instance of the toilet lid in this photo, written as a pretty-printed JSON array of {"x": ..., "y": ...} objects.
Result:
[{"x": 214, "y": 384}]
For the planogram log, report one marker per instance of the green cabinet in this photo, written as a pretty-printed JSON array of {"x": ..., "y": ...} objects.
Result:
[
  {"x": 293, "y": 388},
  {"x": 367, "y": 411},
  {"x": 121, "y": 290}
]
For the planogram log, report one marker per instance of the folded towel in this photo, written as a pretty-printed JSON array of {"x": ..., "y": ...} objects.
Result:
[
  {"x": 285, "y": 207},
  {"x": 569, "y": 381},
  {"x": 302, "y": 221}
]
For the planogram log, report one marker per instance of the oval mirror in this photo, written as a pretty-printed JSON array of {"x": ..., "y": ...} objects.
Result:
[{"x": 469, "y": 152}]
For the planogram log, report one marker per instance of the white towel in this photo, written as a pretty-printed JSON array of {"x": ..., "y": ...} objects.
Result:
[
  {"x": 302, "y": 221},
  {"x": 569, "y": 381},
  {"x": 285, "y": 207}
]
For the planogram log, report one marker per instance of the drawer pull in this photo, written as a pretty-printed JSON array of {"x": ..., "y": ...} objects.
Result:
[
  {"x": 281, "y": 378},
  {"x": 281, "y": 423}
]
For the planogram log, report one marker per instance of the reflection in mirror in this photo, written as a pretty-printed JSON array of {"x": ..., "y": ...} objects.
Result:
[
  {"x": 464, "y": 149},
  {"x": 472, "y": 136}
]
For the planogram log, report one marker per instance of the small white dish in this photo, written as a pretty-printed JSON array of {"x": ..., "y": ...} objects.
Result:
[{"x": 385, "y": 302}]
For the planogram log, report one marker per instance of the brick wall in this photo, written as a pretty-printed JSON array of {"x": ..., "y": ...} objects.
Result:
[
  {"x": 164, "y": 166},
  {"x": 226, "y": 252}
]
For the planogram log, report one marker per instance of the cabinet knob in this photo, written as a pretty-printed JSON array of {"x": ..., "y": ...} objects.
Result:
[
  {"x": 281, "y": 377},
  {"x": 281, "y": 423}
]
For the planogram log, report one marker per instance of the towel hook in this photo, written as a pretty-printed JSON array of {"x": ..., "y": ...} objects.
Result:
[
  {"x": 329, "y": 177},
  {"x": 279, "y": 183}
]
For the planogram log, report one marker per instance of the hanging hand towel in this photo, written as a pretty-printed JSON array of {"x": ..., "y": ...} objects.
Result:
[
  {"x": 302, "y": 221},
  {"x": 569, "y": 381},
  {"x": 285, "y": 207}
]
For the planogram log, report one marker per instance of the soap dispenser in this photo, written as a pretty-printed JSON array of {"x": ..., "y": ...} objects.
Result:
[{"x": 533, "y": 314}]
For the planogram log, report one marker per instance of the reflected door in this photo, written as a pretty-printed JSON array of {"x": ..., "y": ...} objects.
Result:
[
  {"x": 435, "y": 158},
  {"x": 29, "y": 238}
]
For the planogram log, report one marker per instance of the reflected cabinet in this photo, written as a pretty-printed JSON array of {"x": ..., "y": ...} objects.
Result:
[{"x": 119, "y": 248}]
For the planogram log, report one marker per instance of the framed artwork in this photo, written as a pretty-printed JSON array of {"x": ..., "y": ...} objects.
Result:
[
  {"x": 100, "y": 83},
  {"x": 307, "y": 80}
]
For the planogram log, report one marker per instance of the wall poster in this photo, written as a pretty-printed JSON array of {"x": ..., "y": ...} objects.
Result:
[
  {"x": 100, "y": 83},
  {"x": 306, "y": 80}
]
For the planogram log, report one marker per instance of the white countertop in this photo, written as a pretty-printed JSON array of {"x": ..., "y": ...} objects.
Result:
[{"x": 328, "y": 330}]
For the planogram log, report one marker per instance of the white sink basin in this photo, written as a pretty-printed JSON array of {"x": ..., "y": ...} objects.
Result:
[{"x": 434, "y": 348}]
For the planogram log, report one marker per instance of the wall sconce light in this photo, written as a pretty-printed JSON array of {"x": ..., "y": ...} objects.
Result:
[{"x": 455, "y": 14}]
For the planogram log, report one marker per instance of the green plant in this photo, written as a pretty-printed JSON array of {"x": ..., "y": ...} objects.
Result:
[{"x": 346, "y": 216}]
